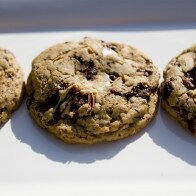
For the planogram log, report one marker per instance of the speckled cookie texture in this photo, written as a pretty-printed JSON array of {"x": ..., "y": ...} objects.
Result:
[
  {"x": 92, "y": 91},
  {"x": 12, "y": 85},
  {"x": 179, "y": 89}
]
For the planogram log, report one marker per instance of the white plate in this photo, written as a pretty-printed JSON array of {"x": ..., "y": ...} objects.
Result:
[{"x": 161, "y": 158}]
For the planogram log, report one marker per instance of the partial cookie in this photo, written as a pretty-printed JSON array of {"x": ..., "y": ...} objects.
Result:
[
  {"x": 179, "y": 89},
  {"x": 11, "y": 84},
  {"x": 92, "y": 91}
]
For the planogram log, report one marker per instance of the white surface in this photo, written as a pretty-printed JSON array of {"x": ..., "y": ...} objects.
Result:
[{"x": 160, "y": 159}]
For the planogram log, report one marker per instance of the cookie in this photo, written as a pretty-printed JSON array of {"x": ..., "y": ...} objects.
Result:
[
  {"x": 179, "y": 89},
  {"x": 92, "y": 91},
  {"x": 11, "y": 85}
]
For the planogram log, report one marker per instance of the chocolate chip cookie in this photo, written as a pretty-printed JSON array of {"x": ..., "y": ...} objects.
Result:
[
  {"x": 92, "y": 91},
  {"x": 179, "y": 89},
  {"x": 11, "y": 84}
]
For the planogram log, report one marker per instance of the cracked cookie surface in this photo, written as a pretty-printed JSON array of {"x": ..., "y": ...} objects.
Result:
[
  {"x": 11, "y": 85},
  {"x": 92, "y": 91},
  {"x": 179, "y": 89}
]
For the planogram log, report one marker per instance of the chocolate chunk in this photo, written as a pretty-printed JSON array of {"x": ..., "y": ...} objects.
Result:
[
  {"x": 145, "y": 72},
  {"x": 192, "y": 73},
  {"x": 149, "y": 69},
  {"x": 75, "y": 105},
  {"x": 115, "y": 92},
  {"x": 148, "y": 61},
  {"x": 78, "y": 102},
  {"x": 139, "y": 91},
  {"x": 73, "y": 89},
  {"x": 42, "y": 107},
  {"x": 91, "y": 70},
  {"x": 57, "y": 113},
  {"x": 148, "y": 72},
  {"x": 63, "y": 86},
  {"x": 10, "y": 74},
  {"x": 73, "y": 92},
  {"x": 56, "y": 117},
  {"x": 75, "y": 117},
  {"x": 113, "y": 76},
  {"x": 167, "y": 90},
  {"x": 90, "y": 73},
  {"x": 191, "y": 77},
  {"x": 112, "y": 47},
  {"x": 191, "y": 125},
  {"x": 90, "y": 64},
  {"x": 144, "y": 93},
  {"x": 183, "y": 112},
  {"x": 128, "y": 95},
  {"x": 53, "y": 100},
  {"x": 80, "y": 59},
  {"x": 2, "y": 110},
  {"x": 50, "y": 102}
]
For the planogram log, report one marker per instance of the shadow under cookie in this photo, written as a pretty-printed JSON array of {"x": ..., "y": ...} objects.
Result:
[
  {"x": 45, "y": 143},
  {"x": 169, "y": 135}
]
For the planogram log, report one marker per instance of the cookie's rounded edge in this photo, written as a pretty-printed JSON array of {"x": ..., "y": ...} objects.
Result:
[
  {"x": 5, "y": 115},
  {"x": 177, "y": 117},
  {"x": 112, "y": 135},
  {"x": 122, "y": 134},
  {"x": 164, "y": 104}
]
